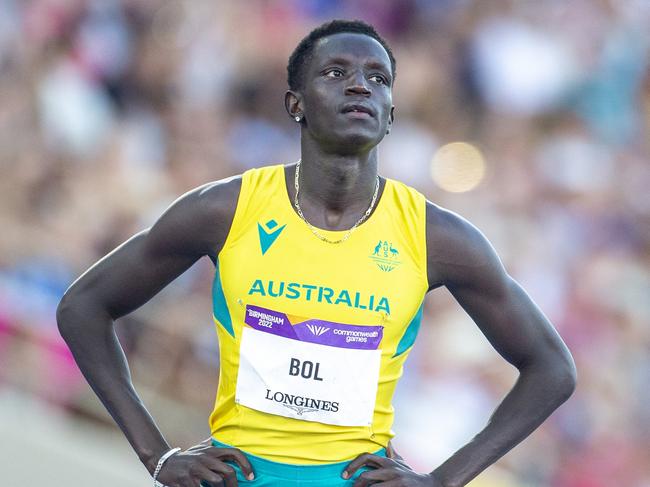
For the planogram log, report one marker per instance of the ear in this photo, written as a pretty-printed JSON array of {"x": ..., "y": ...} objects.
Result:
[
  {"x": 391, "y": 119},
  {"x": 293, "y": 104}
]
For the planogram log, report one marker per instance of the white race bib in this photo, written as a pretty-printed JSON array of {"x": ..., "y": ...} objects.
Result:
[{"x": 313, "y": 370}]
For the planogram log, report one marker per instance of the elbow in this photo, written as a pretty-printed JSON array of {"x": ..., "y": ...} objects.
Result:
[
  {"x": 563, "y": 377},
  {"x": 64, "y": 313},
  {"x": 73, "y": 310},
  {"x": 80, "y": 310},
  {"x": 555, "y": 374},
  {"x": 568, "y": 378}
]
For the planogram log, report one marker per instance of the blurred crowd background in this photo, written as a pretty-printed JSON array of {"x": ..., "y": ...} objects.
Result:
[{"x": 531, "y": 119}]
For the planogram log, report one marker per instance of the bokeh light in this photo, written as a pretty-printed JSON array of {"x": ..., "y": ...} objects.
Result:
[{"x": 458, "y": 167}]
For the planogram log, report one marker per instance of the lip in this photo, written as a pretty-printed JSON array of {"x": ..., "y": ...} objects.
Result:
[{"x": 358, "y": 110}]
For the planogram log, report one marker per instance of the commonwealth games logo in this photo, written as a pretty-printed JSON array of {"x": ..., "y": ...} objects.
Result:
[
  {"x": 317, "y": 330},
  {"x": 385, "y": 256}
]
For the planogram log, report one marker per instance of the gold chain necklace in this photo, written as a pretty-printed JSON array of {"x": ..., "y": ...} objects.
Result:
[{"x": 313, "y": 228}]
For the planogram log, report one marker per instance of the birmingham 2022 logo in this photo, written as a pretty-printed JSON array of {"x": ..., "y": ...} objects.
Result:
[{"x": 385, "y": 256}]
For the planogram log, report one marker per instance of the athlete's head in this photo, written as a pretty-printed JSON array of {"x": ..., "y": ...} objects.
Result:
[
  {"x": 340, "y": 85},
  {"x": 301, "y": 55}
]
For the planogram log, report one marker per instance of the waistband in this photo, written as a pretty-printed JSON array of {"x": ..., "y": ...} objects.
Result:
[{"x": 287, "y": 470}]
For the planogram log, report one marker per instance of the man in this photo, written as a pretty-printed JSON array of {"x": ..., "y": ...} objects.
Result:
[{"x": 321, "y": 269}]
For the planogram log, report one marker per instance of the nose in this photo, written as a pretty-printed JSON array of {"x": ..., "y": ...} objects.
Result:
[{"x": 358, "y": 85}]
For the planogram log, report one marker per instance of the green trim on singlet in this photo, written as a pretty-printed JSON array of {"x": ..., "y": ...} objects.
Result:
[
  {"x": 219, "y": 305},
  {"x": 408, "y": 339},
  {"x": 272, "y": 474}
]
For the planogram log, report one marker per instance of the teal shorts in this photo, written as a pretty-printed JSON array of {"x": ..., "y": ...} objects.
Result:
[{"x": 273, "y": 474}]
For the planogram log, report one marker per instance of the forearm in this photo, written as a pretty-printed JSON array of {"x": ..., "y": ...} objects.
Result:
[
  {"x": 90, "y": 334},
  {"x": 536, "y": 394}
]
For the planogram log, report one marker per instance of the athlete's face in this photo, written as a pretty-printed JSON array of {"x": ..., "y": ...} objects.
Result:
[{"x": 346, "y": 99}]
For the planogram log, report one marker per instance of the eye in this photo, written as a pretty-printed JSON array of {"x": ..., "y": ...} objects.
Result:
[
  {"x": 334, "y": 73},
  {"x": 379, "y": 79}
]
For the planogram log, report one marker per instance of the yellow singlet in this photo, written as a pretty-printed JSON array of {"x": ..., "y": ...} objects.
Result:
[{"x": 313, "y": 335}]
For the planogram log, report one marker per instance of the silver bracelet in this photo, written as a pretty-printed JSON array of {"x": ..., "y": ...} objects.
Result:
[{"x": 160, "y": 464}]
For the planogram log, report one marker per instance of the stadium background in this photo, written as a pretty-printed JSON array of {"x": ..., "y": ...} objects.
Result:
[{"x": 111, "y": 109}]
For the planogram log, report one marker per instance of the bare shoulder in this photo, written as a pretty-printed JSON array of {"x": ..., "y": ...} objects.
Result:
[
  {"x": 216, "y": 198},
  {"x": 198, "y": 222},
  {"x": 456, "y": 250}
]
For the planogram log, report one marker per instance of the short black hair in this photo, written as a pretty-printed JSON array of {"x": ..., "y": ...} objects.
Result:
[{"x": 302, "y": 53}]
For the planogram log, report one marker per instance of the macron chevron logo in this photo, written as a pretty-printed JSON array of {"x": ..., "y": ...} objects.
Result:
[
  {"x": 317, "y": 330},
  {"x": 269, "y": 234}
]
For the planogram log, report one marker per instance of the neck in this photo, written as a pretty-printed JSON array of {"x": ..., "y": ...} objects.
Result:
[
  {"x": 337, "y": 181},
  {"x": 335, "y": 190}
]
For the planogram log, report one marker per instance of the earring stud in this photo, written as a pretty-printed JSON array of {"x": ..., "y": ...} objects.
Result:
[{"x": 297, "y": 118}]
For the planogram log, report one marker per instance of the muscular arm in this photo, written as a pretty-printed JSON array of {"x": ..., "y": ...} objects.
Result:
[
  {"x": 195, "y": 225},
  {"x": 460, "y": 258}
]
